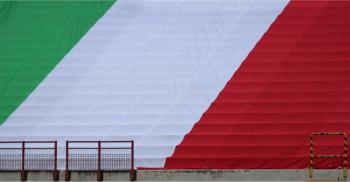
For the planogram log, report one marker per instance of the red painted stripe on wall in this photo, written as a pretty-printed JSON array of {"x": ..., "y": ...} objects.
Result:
[{"x": 295, "y": 81}]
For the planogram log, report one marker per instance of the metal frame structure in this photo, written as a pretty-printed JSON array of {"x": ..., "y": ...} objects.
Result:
[
  {"x": 314, "y": 156},
  {"x": 25, "y": 162},
  {"x": 96, "y": 160}
]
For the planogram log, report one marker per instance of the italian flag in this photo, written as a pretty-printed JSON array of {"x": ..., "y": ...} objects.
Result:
[{"x": 201, "y": 84}]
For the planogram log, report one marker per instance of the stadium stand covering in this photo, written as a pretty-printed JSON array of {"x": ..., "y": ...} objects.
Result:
[{"x": 197, "y": 84}]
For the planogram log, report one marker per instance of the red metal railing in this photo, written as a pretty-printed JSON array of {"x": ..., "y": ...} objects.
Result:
[
  {"x": 27, "y": 156},
  {"x": 99, "y": 156}
]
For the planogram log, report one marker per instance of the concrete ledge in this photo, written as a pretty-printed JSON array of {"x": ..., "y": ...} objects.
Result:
[{"x": 184, "y": 175}]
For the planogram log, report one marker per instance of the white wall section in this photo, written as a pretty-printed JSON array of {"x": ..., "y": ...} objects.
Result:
[{"x": 146, "y": 72}]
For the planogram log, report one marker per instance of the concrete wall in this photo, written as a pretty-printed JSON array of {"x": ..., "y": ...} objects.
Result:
[{"x": 184, "y": 175}]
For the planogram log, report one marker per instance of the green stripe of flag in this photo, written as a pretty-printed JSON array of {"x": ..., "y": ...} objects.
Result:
[{"x": 34, "y": 37}]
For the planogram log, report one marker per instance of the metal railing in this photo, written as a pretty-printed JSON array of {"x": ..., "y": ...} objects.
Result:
[
  {"x": 99, "y": 156},
  {"x": 26, "y": 156},
  {"x": 313, "y": 156}
]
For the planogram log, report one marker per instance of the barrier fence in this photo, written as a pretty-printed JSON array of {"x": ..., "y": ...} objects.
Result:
[
  {"x": 314, "y": 156},
  {"x": 26, "y": 156},
  {"x": 99, "y": 156}
]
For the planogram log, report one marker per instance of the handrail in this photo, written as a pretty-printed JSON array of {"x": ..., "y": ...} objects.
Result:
[
  {"x": 314, "y": 156},
  {"x": 99, "y": 156},
  {"x": 23, "y": 155}
]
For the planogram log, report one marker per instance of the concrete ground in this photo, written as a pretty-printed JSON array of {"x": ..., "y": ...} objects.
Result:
[{"x": 184, "y": 175}]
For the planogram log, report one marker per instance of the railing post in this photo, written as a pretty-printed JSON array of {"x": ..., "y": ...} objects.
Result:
[
  {"x": 55, "y": 171},
  {"x": 99, "y": 172},
  {"x": 132, "y": 170},
  {"x": 67, "y": 172},
  {"x": 23, "y": 172},
  {"x": 311, "y": 167}
]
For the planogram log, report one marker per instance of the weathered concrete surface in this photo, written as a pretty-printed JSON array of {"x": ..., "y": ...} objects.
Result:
[
  {"x": 10, "y": 176},
  {"x": 184, "y": 175},
  {"x": 235, "y": 175}
]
